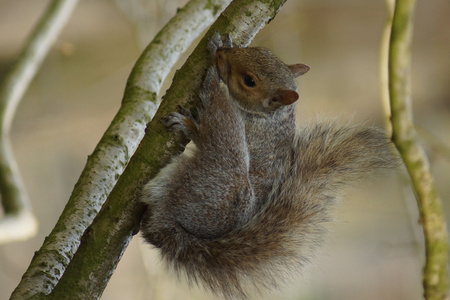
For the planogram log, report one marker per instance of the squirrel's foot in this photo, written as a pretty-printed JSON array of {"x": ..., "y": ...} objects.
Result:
[
  {"x": 184, "y": 111},
  {"x": 227, "y": 41},
  {"x": 217, "y": 41},
  {"x": 181, "y": 121}
]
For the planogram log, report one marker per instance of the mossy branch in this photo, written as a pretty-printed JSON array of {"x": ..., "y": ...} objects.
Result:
[
  {"x": 105, "y": 241},
  {"x": 435, "y": 276},
  {"x": 119, "y": 142},
  {"x": 18, "y": 222}
]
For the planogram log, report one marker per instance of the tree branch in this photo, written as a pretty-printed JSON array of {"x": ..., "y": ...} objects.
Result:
[
  {"x": 119, "y": 142},
  {"x": 435, "y": 277},
  {"x": 105, "y": 241},
  {"x": 384, "y": 58},
  {"x": 19, "y": 223}
]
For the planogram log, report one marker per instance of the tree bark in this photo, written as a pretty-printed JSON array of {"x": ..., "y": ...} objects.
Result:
[{"x": 18, "y": 222}]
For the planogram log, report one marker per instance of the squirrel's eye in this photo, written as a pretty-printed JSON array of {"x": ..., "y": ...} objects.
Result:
[{"x": 249, "y": 81}]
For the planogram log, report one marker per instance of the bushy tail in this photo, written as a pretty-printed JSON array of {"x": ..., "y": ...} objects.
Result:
[
  {"x": 331, "y": 155},
  {"x": 281, "y": 238}
]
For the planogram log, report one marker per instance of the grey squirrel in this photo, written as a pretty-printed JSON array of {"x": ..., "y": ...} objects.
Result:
[{"x": 246, "y": 207}]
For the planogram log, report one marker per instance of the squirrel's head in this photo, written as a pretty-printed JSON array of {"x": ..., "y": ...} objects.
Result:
[{"x": 257, "y": 79}]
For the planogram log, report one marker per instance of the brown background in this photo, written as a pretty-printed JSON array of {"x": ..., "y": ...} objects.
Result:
[{"x": 375, "y": 248}]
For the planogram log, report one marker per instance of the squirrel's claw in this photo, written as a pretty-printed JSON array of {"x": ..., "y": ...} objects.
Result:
[
  {"x": 174, "y": 121},
  {"x": 217, "y": 41},
  {"x": 181, "y": 122},
  {"x": 226, "y": 41},
  {"x": 184, "y": 111}
]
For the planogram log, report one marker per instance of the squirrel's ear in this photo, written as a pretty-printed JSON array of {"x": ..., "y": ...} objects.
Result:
[
  {"x": 283, "y": 97},
  {"x": 298, "y": 69}
]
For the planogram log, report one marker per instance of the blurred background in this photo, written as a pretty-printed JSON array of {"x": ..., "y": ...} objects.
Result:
[{"x": 375, "y": 248}]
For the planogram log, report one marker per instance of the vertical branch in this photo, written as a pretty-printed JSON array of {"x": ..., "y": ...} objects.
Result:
[
  {"x": 384, "y": 56},
  {"x": 18, "y": 222},
  {"x": 435, "y": 276}
]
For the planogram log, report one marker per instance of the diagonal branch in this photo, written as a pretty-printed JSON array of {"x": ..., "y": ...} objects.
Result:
[
  {"x": 105, "y": 241},
  {"x": 435, "y": 277},
  {"x": 116, "y": 146},
  {"x": 18, "y": 223}
]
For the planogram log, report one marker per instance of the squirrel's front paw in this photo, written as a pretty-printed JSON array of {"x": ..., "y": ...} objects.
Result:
[
  {"x": 217, "y": 41},
  {"x": 173, "y": 121},
  {"x": 180, "y": 121},
  {"x": 184, "y": 111}
]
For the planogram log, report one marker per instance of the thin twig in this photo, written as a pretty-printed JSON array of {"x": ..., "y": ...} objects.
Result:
[
  {"x": 19, "y": 222},
  {"x": 119, "y": 142},
  {"x": 384, "y": 54},
  {"x": 435, "y": 276}
]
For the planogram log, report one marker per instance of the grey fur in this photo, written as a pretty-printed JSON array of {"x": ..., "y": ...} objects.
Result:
[{"x": 247, "y": 208}]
